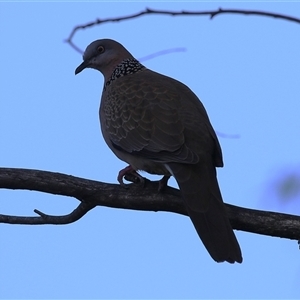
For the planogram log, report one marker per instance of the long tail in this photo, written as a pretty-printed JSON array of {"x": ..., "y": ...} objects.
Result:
[{"x": 202, "y": 196}]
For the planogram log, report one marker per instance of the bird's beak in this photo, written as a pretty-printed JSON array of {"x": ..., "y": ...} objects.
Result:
[{"x": 82, "y": 66}]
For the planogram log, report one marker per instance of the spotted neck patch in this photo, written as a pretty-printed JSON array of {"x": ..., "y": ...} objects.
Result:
[{"x": 126, "y": 67}]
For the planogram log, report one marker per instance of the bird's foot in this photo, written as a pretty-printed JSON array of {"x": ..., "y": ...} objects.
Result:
[
  {"x": 132, "y": 175},
  {"x": 163, "y": 183}
]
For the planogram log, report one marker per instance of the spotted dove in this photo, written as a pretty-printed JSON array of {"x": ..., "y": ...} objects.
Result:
[{"x": 157, "y": 124}]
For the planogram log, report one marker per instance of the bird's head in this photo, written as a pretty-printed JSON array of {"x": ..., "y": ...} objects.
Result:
[{"x": 103, "y": 55}]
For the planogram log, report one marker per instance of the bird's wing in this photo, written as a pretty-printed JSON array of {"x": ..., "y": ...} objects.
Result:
[{"x": 156, "y": 117}]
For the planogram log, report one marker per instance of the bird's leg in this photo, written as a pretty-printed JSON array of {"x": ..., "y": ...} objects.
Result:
[
  {"x": 163, "y": 182},
  {"x": 129, "y": 170}
]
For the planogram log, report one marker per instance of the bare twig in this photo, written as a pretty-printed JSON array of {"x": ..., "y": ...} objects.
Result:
[
  {"x": 149, "y": 11},
  {"x": 162, "y": 52},
  {"x": 227, "y": 135},
  {"x": 92, "y": 193},
  {"x": 43, "y": 218}
]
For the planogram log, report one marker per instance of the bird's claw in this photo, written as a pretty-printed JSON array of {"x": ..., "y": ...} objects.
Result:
[
  {"x": 163, "y": 183},
  {"x": 131, "y": 175}
]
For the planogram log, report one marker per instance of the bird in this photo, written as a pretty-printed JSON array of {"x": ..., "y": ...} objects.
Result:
[{"x": 157, "y": 124}]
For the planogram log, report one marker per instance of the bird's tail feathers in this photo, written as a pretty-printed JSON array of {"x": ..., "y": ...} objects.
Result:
[{"x": 202, "y": 196}]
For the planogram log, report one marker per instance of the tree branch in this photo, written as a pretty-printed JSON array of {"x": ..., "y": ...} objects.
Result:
[
  {"x": 92, "y": 193},
  {"x": 43, "y": 218},
  {"x": 149, "y": 11}
]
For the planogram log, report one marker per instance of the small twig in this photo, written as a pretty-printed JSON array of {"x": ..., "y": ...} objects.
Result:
[
  {"x": 255, "y": 12},
  {"x": 75, "y": 47},
  {"x": 227, "y": 135},
  {"x": 149, "y": 11},
  {"x": 43, "y": 218},
  {"x": 162, "y": 52}
]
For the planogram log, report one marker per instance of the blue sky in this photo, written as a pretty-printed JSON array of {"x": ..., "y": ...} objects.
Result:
[{"x": 245, "y": 69}]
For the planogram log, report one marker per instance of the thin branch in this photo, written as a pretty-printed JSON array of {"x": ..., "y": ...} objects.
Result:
[
  {"x": 43, "y": 218},
  {"x": 149, "y": 11},
  {"x": 162, "y": 52},
  {"x": 255, "y": 12},
  {"x": 92, "y": 193},
  {"x": 227, "y": 135}
]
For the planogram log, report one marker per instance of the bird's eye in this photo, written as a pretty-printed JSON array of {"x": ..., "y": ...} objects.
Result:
[{"x": 100, "y": 49}]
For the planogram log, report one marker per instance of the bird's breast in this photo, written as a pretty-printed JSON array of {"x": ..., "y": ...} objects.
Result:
[{"x": 113, "y": 114}]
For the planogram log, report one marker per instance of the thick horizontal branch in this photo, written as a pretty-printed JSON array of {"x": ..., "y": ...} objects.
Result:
[
  {"x": 149, "y": 11},
  {"x": 92, "y": 193}
]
